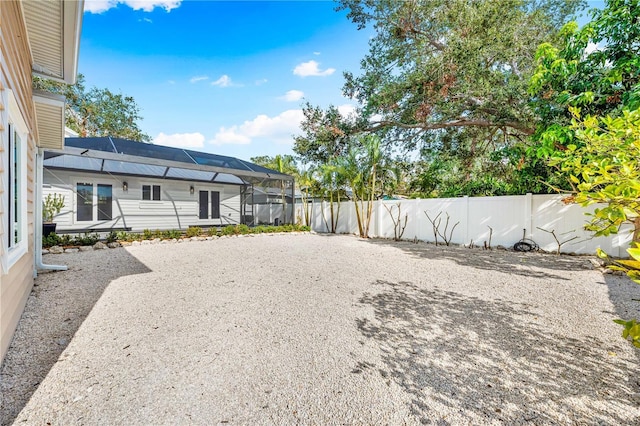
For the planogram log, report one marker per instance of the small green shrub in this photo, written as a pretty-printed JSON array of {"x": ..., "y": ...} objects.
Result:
[
  {"x": 50, "y": 240},
  {"x": 65, "y": 240},
  {"x": 112, "y": 237},
  {"x": 132, "y": 236},
  {"x": 229, "y": 230},
  {"x": 212, "y": 232},
  {"x": 122, "y": 235},
  {"x": 242, "y": 229},
  {"x": 147, "y": 234},
  {"x": 194, "y": 231},
  {"x": 171, "y": 234},
  {"x": 51, "y": 206},
  {"x": 87, "y": 239}
]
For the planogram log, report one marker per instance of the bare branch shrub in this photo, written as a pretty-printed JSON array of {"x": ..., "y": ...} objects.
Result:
[
  {"x": 398, "y": 227},
  {"x": 553, "y": 233},
  {"x": 435, "y": 223}
]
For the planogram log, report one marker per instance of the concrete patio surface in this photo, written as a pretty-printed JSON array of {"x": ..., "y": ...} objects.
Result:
[{"x": 316, "y": 329}]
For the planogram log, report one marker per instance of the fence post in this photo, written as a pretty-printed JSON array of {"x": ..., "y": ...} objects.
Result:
[
  {"x": 466, "y": 219},
  {"x": 528, "y": 214},
  {"x": 379, "y": 206}
]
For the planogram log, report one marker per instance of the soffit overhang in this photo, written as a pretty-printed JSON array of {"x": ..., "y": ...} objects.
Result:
[{"x": 53, "y": 30}]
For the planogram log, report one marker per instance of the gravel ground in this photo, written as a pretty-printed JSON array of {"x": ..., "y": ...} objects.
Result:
[{"x": 311, "y": 329}]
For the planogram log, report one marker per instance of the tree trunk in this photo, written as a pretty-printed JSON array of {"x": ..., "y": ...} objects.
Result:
[
  {"x": 636, "y": 230},
  {"x": 355, "y": 203}
]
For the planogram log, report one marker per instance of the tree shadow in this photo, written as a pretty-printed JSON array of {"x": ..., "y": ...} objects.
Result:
[
  {"x": 624, "y": 294},
  {"x": 489, "y": 360},
  {"x": 531, "y": 264},
  {"x": 56, "y": 308}
]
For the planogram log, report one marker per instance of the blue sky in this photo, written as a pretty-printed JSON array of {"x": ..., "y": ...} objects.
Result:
[{"x": 222, "y": 77}]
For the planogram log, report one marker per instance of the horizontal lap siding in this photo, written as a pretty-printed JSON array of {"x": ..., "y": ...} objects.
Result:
[
  {"x": 16, "y": 285},
  {"x": 177, "y": 209},
  {"x": 14, "y": 291}
]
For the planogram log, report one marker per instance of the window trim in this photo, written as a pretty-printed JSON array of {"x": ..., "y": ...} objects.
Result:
[
  {"x": 76, "y": 219},
  {"x": 15, "y": 124},
  {"x": 152, "y": 192},
  {"x": 209, "y": 204},
  {"x": 94, "y": 200}
]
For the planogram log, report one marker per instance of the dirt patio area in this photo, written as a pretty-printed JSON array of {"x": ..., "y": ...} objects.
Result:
[{"x": 317, "y": 329}]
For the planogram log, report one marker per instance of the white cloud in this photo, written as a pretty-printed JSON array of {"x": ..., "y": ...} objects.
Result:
[
  {"x": 346, "y": 110},
  {"x": 99, "y": 6},
  {"x": 592, "y": 47},
  {"x": 198, "y": 78},
  {"x": 311, "y": 69},
  {"x": 316, "y": 53},
  {"x": 277, "y": 129},
  {"x": 224, "y": 81},
  {"x": 261, "y": 82},
  {"x": 292, "y": 96},
  {"x": 145, "y": 20},
  {"x": 180, "y": 140}
]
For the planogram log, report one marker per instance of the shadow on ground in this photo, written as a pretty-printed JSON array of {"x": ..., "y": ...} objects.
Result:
[
  {"x": 532, "y": 264},
  {"x": 489, "y": 360},
  {"x": 56, "y": 308}
]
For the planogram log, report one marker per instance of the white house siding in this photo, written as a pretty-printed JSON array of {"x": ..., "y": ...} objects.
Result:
[{"x": 177, "y": 209}]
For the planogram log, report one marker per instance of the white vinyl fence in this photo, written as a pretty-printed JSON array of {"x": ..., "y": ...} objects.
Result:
[{"x": 509, "y": 217}]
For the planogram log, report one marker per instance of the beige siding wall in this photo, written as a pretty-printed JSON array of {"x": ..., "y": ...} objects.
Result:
[{"x": 16, "y": 284}]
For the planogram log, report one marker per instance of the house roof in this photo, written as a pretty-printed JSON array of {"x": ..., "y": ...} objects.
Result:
[{"x": 121, "y": 156}]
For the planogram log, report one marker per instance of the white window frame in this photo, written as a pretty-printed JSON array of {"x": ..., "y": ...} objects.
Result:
[
  {"x": 151, "y": 185},
  {"x": 16, "y": 125},
  {"x": 94, "y": 201},
  {"x": 75, "y": 201}
]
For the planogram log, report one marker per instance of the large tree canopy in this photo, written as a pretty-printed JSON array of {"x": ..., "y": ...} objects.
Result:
[
  {"x": 588, "y": 96},
  {"x": 448, "y": 82},
  {"x": 97, "y": 112},
  {"x": 442, "y": 64},
  {"x": 597, "y": 69}
]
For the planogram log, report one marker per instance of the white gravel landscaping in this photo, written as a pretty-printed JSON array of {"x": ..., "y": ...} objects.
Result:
[{"x": 322, "y": 330}]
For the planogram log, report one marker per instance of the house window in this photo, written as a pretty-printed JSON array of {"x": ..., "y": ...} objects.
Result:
[
  {"x": 94, "y": 201},
  {"x": 105, "y": 199},
  {"x": 84, "y": 194},
  {"x": 151, "y": 192},
  {"x": 16, "y": 188},
  {"x": 15, "y": 156}
]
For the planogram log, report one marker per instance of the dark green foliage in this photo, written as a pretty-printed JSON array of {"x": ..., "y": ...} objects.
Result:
[
  {"x": 97, "y": 112},
  {"x": 171, "y": 234},
  {"x": 112, "y": 237},
  {"x": 86, "y": 239},
  {"x": 51, "y": 240},
  {"x": 449, "y": 80}
]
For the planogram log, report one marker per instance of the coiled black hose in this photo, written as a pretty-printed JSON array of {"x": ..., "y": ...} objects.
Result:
[{"x": 525, "y": 244}]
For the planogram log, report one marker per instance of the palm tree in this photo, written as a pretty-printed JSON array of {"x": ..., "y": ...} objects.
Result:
[
  {"x": 306, "y": 182},
  {"x": 332, "y": 182},
  {"x": 360, "y": 167}
]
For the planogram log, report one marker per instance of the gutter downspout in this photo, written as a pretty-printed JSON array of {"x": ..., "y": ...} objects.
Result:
[
  {"x": 293, "y": 201},
  {"x": 37, "y": 220}
]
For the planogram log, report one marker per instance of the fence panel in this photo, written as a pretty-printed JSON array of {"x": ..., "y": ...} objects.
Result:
[{"x": 509, "y": 217}]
